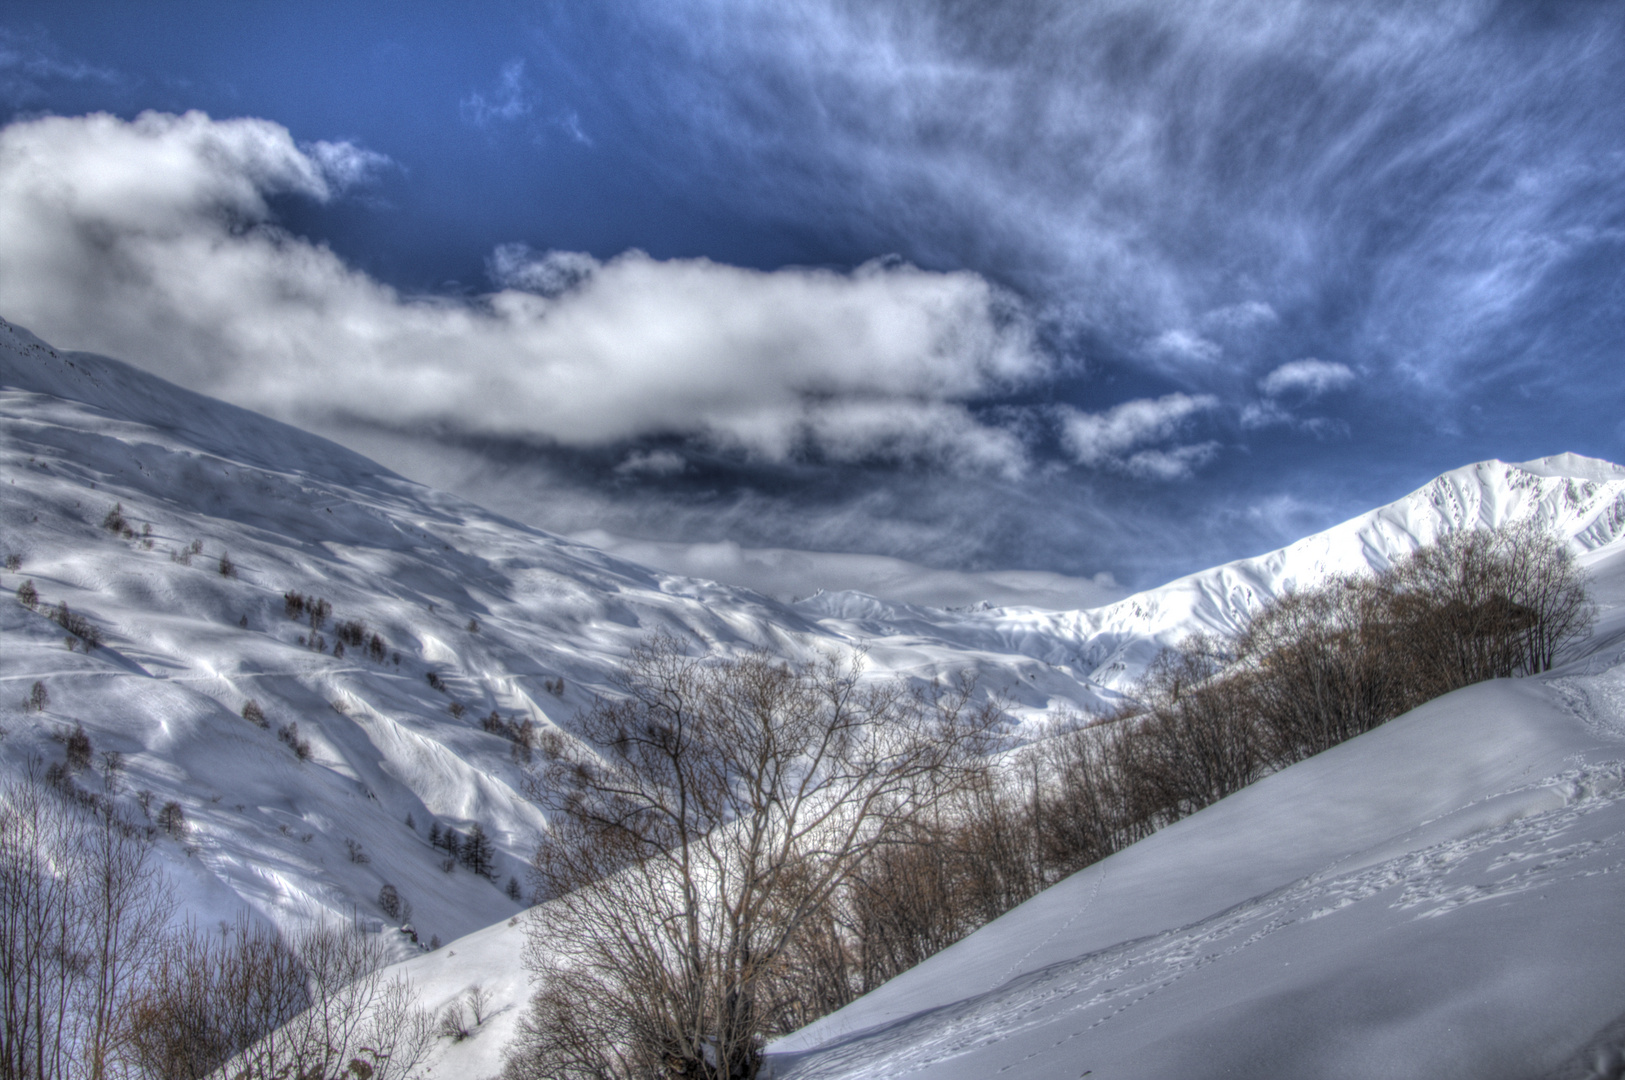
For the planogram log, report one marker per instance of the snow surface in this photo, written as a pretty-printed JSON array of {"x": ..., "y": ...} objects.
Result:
[
  {"x": 1441, "y": 897},
  {"x": 268, "y": 832}
]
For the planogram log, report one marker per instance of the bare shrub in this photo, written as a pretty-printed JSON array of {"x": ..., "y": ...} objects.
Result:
[
  {"x": 1195, "y": 736},
  {"x": 254, "y": 714},
  {"x": 227, "y": 568},
  {"x": 456, "y": 709},
  {"x": 114, "y": 521},
  {"x": 435, "y": 681},
  {"x": 78, "y": 749},
  {"x": 172, "y": 819},
  {"x": 213, "y": 996},
  {"x": 289, "y": 734},
  {"x": 376, "y": 648},
  {"x": 354, "y": 851},
  {"x": 1486, "y": 604},
  {"x": 293, "y": 605},
  {"x": 735, "y": 798},
  {"x": 389, "y": 901},
  {"x": 316, "y": 1006},
  {"x": 77, "y": 625},
  {"x": 453, "y": 1024}
]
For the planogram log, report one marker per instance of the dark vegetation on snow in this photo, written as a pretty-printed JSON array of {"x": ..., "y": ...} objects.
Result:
[
  {"x": 99, "y": 982},
  {"x": 697, "y": 912}
]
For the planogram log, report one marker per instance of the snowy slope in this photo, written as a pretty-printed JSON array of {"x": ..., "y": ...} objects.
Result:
[
  {"x": 1441, "y": 897},
  {"x": 296, "y": 512},
  {"x": 186, "y": 648}
]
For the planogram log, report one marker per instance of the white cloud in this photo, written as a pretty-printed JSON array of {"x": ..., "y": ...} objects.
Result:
[
  {"x": 1106, "y": 439},
  {"x": 516, "y": 266},
  {"x": 152, "y": 240},
  {"x": 1185, "y": 347},
  {"x": 1244, "y": 316},
  {"x": 652, "y": 463},
  {"x": 789, "y": 574},
  {"x": 345, "y": 165},
  {"x": 1310, "y": 378},
  {"x": 1175, "y": 464}
]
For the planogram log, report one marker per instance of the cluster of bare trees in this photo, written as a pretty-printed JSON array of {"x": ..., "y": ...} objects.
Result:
[
  {"x": 96, "y": 983},
  {"x": 1312, "y": 669},
  {"x": 689, "y": 862},
  {"x": 740, "y": 846},
  {"x": 81, "y": 914}
]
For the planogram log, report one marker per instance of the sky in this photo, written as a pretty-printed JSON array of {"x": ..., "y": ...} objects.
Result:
[{"x": 1113, "y": 290}]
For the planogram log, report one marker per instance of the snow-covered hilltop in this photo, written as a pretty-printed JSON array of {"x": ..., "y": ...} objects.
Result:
[{"x": 1108, "y": 647}]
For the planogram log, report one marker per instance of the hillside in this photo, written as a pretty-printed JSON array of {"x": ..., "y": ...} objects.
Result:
[
  {"x": 1439, "y": 897},
  {"x": 297, "y": 824}
]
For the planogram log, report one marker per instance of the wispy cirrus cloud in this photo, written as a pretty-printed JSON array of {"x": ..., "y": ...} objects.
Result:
[
  {"x": 508, "y": 101},
  {"x": 1421, "y": 182},
  {"x": 1308, "y": 378},
  {"x": 1120, "y": 437},
  {"x": 30, "y": 64}
]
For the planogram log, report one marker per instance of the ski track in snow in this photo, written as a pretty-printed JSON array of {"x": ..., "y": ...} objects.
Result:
[{"x": 1094, "y": 990}]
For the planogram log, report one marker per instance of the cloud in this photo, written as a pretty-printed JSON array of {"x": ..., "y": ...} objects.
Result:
[
  {"x": 1106, "y": 439},
  {"x": 507, "y": 103},
  {"x": 1416, "y": 179},
  {"x": 1182, "y": 346},
  {"x": 517, "y": 266},
  {"x": 154, "y": 240},
  {"x": 345, "y": 165},
  {"x": 1175, "y": 464},
  {"x": 28, "y": 61},
  {"x": 1247, "y": 315},
  {"x": 789, "y": 574},
  {"x": 652, "y": 463},
  {"x": 1308, "y": 378}
]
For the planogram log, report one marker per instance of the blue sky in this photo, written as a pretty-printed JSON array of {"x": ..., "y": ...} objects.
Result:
[{"x": 1119, "y": 287}]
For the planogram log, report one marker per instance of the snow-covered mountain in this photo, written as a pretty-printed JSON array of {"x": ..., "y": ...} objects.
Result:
[
  {"x": 1109, "y": 647},
  {"x": 506, "y": 618}
]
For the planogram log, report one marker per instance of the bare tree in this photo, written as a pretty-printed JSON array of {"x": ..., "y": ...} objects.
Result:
[
  {"x": 80, "y": 913},
  {"x": 352, "y": 1015},
  {"x": 733, "y": 799},
  {"x": 210, "y": 997}
]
